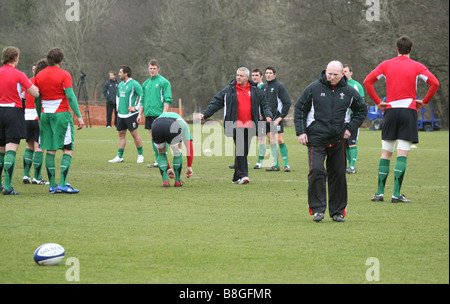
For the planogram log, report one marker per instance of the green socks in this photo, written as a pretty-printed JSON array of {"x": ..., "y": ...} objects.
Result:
[
  {"x": 261, "y": 153},
  {"x": 177, "y": 166},
  {"x": 38, "y": 160},
  {"x": 2, "y": 160},
  {"x": 163, "y": 166},
  {"x": 274, "y": 152},
  {"x": 353, "y": 154},
  {"x": 9, "y": 164},
  {"x": 50, "y": 166},
  {"x": 400, "y": 168},
  {"x": 284, "y": 154},
  {"x": 27, "y": 161},
  {"x": 140, "y": 150},
  {"x": 383, "y": 172},
  {"x": 66, "y": 161},
  {"x": 399, "y": 173},
  {"x": 120, "y": 153}
]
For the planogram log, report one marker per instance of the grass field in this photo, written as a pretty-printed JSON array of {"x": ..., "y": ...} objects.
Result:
[{"x": 125, "y": 228}]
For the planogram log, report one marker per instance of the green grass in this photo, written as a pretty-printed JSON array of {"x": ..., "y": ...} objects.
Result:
[{"x": 125, "y": 228}]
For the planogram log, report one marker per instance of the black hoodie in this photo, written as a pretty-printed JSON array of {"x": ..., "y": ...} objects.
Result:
[{"x": 323, "y": 112}]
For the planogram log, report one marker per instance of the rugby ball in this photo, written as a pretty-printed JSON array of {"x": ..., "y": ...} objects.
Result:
[{"x": 49, "y": 254}]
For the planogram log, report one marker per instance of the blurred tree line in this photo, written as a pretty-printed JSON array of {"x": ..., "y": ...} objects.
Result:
[{"x": 201, "y": 43}]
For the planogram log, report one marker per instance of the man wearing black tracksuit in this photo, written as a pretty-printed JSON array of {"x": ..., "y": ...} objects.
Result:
[{"x": 322, "y": 122}]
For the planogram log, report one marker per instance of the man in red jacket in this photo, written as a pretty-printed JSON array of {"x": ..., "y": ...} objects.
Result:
[{"x": 400, "y": 112}]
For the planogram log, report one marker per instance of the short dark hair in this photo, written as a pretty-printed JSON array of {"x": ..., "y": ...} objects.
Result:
[
  {"x": 257, "y": 71},
  {"x": 404, "y": 45},
  {"x": 55, "y": 56},
  {"x": 126, "y": 69},
  {"x": 40, "y": 65},
  {"x": 349, "y": 67},
  {"x": 9, "y": 54},
  {"x": 154, "y": 62},
  {"x": 272, "y": 69}
]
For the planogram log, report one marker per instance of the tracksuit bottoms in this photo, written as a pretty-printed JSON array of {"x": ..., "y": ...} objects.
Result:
[{"x": 334, "y": 158}]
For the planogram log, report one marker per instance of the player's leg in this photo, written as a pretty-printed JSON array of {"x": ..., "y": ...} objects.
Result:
[
  {"x": 177, "y": 163},
  {"x": 400, "y": 169},
  {"x": 122, "y": 132},
  {"x": 283, "y": 148},
  {"x": 38, "y": 162},
  {"x": 337, "y": 182},
  {"x": 28, "y": 162},
  {"x": 317, "y": 182},
  {"x": 9, "y": 164}
]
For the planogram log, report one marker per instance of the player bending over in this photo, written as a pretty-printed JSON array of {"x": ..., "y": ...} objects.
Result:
[{"x": 170, "y": 128}]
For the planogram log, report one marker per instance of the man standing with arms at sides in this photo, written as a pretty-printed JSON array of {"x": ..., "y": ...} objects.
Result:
[
  {"x": 12, "y": 120},
  {"x": 322, "y": 122},
  {"x": 110, "y": 93},
  {"x": 279, "y": 101},
  {"x": 57, "y": 130},
  {"x": 156, "y": 99},
  {"x": 129, "y": 94},
  {"x": 33, "y": 154},
  {"x": 242, "y": 100},
  {"x": 400, "y": 112},
  {"x": 351, "y": 148}
]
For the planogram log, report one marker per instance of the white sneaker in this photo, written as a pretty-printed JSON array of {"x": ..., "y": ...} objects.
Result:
[
  {"x": 116, "y": 159},
  {"x": 140, "y": 159},
  {"x": 153, "y": 165},
  {"x": 258, "y": 166},
  {"x": 26, "y": 180},
  {"x": 244, "y": 180}
]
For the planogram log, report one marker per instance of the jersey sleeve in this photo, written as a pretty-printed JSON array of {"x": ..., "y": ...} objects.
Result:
[
  {"x": 373, "y": 77},
  {"x": 431, "y": 80}
]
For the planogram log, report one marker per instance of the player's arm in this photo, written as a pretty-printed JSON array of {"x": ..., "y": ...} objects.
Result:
[
  {"x": 433, "y": 82},
  {"x": 167, "y": 96},
  {"x": 368, "y": 84},
  {"x": 73, "y": 102}
]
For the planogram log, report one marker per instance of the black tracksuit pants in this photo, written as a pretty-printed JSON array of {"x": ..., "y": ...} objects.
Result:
[
  {"x": 334, "y": 158},
  {"x": 242, "y": 139}
]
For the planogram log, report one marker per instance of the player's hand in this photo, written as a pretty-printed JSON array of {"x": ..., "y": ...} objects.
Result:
[
  {"x": 139, "y": 119},
  {"x": 419, "y": 104},
  {"x": 189, "y": 172},
  {"x": 80, "y": 123},
  {"x": 347, "y": 134},
  {"x": 277, "y": 121},
  {"x": 200, "y": 116},
  {"x": 382, "y": 106},
  {"x": 303, "y": 139},
  {"x": 269, "y": 119}
]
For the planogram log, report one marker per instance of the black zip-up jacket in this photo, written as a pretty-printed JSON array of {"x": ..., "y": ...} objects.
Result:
[
  {"x": 323, "y": 113},
  {"x": 227, "y": 98},
  {"x": 278, "y": 98},
  {"x": 110, "y": 91}
]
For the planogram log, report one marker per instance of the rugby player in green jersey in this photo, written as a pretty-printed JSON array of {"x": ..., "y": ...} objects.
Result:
[{"x": 129, "y": 94}]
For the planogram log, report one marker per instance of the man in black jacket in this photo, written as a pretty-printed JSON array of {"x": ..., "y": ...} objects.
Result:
[
  {"x": 241, "y": 99},
  {"x": 280, "y": 102},
  {"x": 322, "y": 122},
  {"x": 110, "y": 92}
]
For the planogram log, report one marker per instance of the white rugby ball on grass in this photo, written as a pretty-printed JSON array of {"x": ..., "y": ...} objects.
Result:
[{"x": 49, "y": 254}]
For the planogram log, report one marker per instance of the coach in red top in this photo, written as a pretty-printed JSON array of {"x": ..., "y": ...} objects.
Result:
[
  {"x": 12, "y": 120},
  {"x": 400, "y": 111},
  {"x": 241, "y": 100}
]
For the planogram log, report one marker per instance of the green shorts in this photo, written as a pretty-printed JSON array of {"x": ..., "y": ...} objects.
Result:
[{"x": 57, "y": 131}]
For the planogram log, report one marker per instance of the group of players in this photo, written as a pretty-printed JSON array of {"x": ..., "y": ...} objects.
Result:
[{"x": 326, "y": 113}]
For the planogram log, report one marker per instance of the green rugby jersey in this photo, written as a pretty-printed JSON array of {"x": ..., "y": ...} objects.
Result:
[
  {"x": 128, "y": 95},
  {"x": 185, "y": 131},
  {"x": 357, "y": 86},
  {"x": 156, "y": 92}
]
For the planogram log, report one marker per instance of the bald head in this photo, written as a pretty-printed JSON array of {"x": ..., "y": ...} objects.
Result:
[{"x": 334, "y": 72}]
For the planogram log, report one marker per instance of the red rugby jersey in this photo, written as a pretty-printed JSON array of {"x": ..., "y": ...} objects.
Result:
[
  {"x": 402, "y": 75},
  {"x": 52, "y": 82},
  {"x": 12, "y": 82}
]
